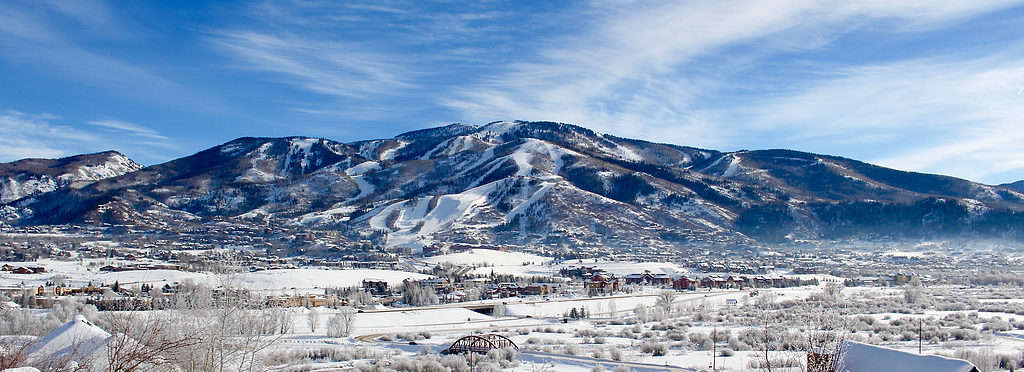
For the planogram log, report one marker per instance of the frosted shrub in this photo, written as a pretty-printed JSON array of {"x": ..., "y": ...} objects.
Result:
[
  {"x": 996, "y": 324},
  {"x": 404, "y": 365},
  {"x": 1008, "y": 362},
  {"x": 654, "y": 348},
  {"x": 502, "y": 355},
  {"x": 642, "y": 314},
  {"x": 736, "y": 344},
  {"x": 455, "y": 363},
  {"x": 701, "y": 340},
  {"x": 984, "y": 359},
  {"x": 675, "y": 335},
  {"x": 488, "y": 367},
  {"x": 615, "y": 354},
  {"x": 572, "y": 349}
]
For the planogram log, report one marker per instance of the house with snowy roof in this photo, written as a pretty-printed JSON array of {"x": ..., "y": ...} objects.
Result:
[
  {"x": 77, "y": 341},
  {"x": 648, "y": 278}
]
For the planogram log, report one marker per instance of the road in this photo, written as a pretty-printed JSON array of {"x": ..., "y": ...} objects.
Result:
[{"x": 607, "y": 363}]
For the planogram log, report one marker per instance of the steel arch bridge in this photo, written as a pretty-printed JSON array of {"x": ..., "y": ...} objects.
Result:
[{"x": 480, "y": 344}]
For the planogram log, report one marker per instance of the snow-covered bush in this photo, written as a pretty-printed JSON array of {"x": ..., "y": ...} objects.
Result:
[
  {"x": 455, "y": 363},
  {"x": 984, "y": 359},
  {"x": 572, "y": 349},
  {"x": 654, "y": 348}
]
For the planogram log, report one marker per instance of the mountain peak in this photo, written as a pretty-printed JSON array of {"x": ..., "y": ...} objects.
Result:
[{"x": 31, "y": 177}]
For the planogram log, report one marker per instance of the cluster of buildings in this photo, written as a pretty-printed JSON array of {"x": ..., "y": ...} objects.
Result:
[
  {"x": 23, "y": 269},
  {"x": 597, "y": 280},
  {"x": 467, "y": 289}
]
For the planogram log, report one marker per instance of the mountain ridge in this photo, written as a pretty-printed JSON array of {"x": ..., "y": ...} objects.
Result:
[
  {"x": 531, "y": 183},
  {"x": 1019, "y": 185},
  {"x": 29, "y": 177}
]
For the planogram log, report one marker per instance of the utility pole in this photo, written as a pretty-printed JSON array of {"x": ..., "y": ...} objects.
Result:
[
  {"x": 714, "y": 347},
  {"x": 920, "y": 328}
]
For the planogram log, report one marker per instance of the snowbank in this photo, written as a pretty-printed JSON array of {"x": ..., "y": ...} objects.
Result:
[
  {"x": 77, "y": 340},
  {"x": 859, "y": 357}
]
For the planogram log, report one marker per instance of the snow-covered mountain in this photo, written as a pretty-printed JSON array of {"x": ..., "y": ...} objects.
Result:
[
  {"x": 31, "y": 177},
  {"x": 536, "y": 183},
  {"x": 1019, "y": 185}
]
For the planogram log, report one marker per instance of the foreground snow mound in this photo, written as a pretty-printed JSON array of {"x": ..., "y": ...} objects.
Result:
[
  {"x": 858, "y": 357},
  {"x": 79, "y": 339}
]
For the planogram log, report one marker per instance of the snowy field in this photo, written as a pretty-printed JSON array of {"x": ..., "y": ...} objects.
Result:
[
  {"x": 489, "y": 257},
  {"x": 632, "y": 330},
  {"x": 524, "y": 265},
  {"x": 579, "y": 345},
  {"x": 308, "y": 280},
  {"x": 619, "y": 268}
]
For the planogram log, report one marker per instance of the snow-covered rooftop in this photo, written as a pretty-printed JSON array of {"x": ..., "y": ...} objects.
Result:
[
  {"x": 859, "y": 357},
  {"x": 77, "y": 340}
]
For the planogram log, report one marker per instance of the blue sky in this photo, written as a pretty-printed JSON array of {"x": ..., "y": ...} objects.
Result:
[{"x": 931, "y": 86}]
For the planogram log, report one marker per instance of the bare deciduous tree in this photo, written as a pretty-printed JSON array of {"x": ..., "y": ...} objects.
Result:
[
  {"x": 314, "y": 319},
  {"x": 142, "y": 342},
  {"x": 340, "y": 325},
  {"x": 13, "y": 352},
  {"x": 233, "y": 330},
  {"x": 665, "y": 300},
  {"x": 825, "y": 341},
  {"x": 914, "y": 292}
]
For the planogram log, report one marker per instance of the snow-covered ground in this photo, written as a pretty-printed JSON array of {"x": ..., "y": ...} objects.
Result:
[
  {"x": 536, "y": 323},
  {"x": 619, "y": 268},
  {"x": 307, "y": 280},
  {"x": 489, "y": 257}
]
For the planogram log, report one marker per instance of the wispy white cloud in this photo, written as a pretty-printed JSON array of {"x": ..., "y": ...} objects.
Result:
[
  {"x": 129, "y": 128},
  {"x": 92, "y": 13},
  {"x": 377, "y": 8},
  {"x": 370, "y": 51},
  {"x": 636, "y": 71},
  {"x": 36, "y": 136},
  {"x": 36, "y": 35},
  {"x": 44, "y": 135},
  {"x": 952, "y": 116},
  {"x": 331, "y": 68}
]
